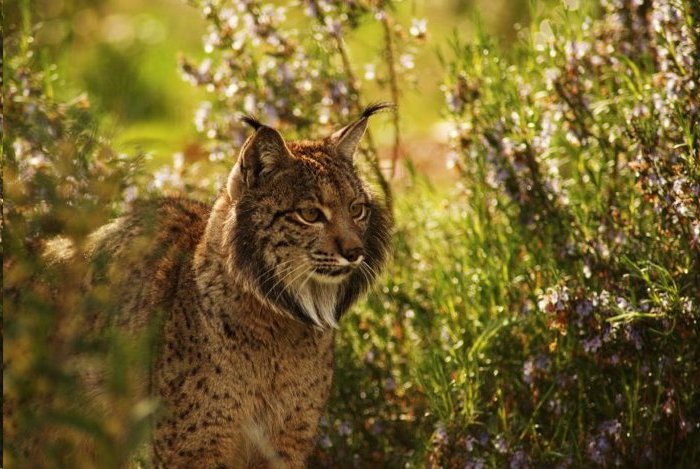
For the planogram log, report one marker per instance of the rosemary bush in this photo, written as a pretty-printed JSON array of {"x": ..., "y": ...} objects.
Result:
[
  {"x": 59, "y": 178},
  {"x": 292, "y": 66},
  {"x": 546, "y": 312}
]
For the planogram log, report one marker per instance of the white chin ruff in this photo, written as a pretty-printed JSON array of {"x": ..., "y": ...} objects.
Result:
[{"x": 319, "y": 302}]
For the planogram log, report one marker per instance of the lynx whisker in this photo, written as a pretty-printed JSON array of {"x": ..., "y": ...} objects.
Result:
[
  {"x": 284, "y": 268},
  {"x": 305, "y": 269},
  {"x": 365, "y": 274},
  {"x": 370, "y": 269},
  {"x": 282, "y": 279},
  {"x": 272, "y": 268},
  {"x": 303, "y": 283}
]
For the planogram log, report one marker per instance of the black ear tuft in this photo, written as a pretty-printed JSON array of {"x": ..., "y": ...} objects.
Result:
[
  {"x": 374, "y": 108},
  {"x": 347, "y": 139},
  {"x": 251, "y": 121}
]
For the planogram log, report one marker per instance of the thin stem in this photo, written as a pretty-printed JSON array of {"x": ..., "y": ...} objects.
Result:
[
  {"x": 393, "y": 88},
  {"x": 371, "y": 154}
]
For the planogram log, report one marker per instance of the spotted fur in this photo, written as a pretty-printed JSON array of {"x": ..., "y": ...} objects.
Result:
[{"x": 250, "y": 292}]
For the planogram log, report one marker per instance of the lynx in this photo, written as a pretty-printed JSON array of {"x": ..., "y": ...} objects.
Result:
[{"x": 250, "y": 292}]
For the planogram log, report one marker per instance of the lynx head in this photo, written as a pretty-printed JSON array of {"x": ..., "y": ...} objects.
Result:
[{"x": 304, "y": 232}]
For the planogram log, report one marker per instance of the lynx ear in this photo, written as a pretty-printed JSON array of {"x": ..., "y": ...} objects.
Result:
[
  {"x": 263, "y": 153},
  {"x": 348, "y": 138}
]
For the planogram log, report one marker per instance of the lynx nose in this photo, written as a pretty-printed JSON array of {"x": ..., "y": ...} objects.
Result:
[
  {"x": 349, "y": 247},
  {"x": 353, "y": 254}
]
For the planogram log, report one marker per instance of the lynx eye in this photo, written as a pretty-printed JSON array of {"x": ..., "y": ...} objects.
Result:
[
  {"x": 310, "y": 215},
  {"x": 358, "y": 210}
]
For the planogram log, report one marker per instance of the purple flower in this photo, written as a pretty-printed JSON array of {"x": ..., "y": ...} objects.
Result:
[
  {"x": 469, "y": 443},
  {"x": 611, "y": 428},
  {"x": 501, "y": 444},
  {"x": 477, "y": 463},
  {"x": 592, "y": 345},
  {"x": 389, "y": 384},
  {"x": 440, "y": 435},
  {"x": 542, "y": 362},
  {"x": 528, "y": 371},
  {"x": 632, "y": 335},
  {"x": 325, "y": 442},
  {"x": 419, "y": 27},
  {"x": 584, "y": 308},
  {"x": 484, "y": 439},
  {"x": 344, "y": 429},
  {"x": 598, "y": 447},
  {"x": 519, "y": 460}
]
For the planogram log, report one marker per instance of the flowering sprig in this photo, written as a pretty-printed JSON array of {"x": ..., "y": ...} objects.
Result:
[
  {"x": 292, "y": 65},
  {"x": 61, "y": 181},
  {"x": 585, "y": 140}
]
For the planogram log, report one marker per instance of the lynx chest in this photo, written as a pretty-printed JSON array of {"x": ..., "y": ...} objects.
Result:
[{"x": 237, "y": 379}]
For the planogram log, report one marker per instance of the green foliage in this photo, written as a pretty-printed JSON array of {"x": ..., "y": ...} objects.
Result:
[
  {"x": 116, "y": 78},
  {"x": 59, "y": 178},
  {"x": 292, "y": 65},
  {"x": 545, "y": 312}
]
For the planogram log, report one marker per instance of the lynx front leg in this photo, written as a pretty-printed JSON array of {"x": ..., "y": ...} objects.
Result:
[
  {"x": 285, "y": 450},
  {"x": 296, "y": 437}
]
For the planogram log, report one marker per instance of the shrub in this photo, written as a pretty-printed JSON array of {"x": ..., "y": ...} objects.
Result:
[
  {"x": 292, "y": 65},
  {"x": 59, "y": 178},
  {"x": 546, "y": 312},
  {"x": 63, "y": 180}
]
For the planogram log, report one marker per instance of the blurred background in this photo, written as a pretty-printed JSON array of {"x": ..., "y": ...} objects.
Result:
[{"x": 124, "y": 54}]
